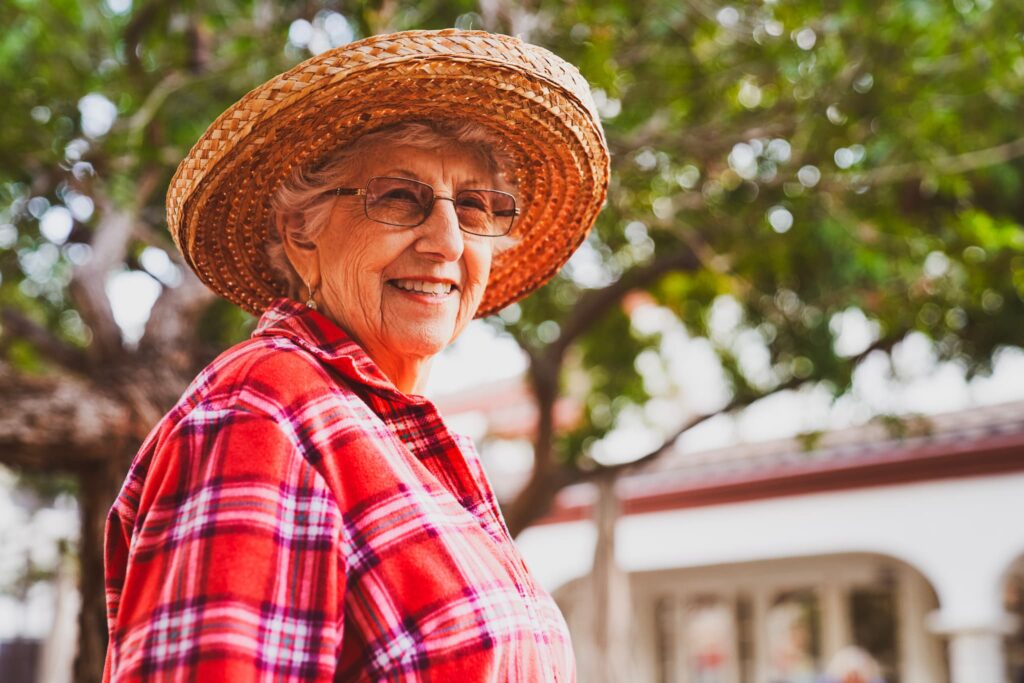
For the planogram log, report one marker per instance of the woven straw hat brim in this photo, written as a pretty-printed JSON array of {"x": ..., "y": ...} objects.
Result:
[{"x": 536, "y": 104}]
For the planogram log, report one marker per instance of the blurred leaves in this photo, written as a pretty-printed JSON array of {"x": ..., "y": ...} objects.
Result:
[
  {"x": 783, "y": 173},
  {"x": 814, "y": 159},
  {"x": 817, "y": 160}
]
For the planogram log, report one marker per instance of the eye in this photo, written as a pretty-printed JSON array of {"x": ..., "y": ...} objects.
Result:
[
  {"x": 401, "y": 194},
  {"x": 472, "y": 200},
  {"x": 398, "y": 191}
]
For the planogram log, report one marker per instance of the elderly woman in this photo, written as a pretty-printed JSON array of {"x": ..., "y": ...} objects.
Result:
[{"x": 303, "y": 513}]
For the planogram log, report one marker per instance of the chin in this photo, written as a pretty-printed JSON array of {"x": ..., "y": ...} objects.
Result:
[{"x": 423, "y": 340}]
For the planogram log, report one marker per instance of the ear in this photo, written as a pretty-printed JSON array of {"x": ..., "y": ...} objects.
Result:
[{"x": 303, "y": 255}]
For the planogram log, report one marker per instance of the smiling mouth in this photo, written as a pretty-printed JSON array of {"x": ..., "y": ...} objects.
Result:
[{"x": 437, "y": 289}]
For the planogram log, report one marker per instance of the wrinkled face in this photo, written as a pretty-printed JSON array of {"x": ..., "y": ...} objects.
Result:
[{"x": 405, "y": 291}]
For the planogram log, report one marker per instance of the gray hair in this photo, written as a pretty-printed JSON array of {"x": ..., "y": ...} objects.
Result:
[{"x": 303, "y": 192}]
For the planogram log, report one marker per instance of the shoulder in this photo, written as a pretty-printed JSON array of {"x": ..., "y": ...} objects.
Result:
[
  {"x": 270, "y": 381},
  {"x": 258, "y": 374},
  {"x": 265, "y": 394},
  {"x": 244, "y": 422}
]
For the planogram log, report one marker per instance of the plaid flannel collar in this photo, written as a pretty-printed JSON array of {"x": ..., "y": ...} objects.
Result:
[{"x": 326, "y": 340}]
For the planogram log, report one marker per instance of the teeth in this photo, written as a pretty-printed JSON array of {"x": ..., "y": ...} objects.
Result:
[{"x": 436, "y": 288}]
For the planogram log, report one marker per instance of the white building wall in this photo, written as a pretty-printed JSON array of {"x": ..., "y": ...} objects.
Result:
[{"x": 961, "y": 534}]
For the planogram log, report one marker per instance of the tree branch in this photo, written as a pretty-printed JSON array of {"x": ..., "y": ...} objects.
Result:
[
  {"x": 141, "y": 21},
  {"x": 537, "y": 497},
  {"x": 170, "y": 83},
  {"x": 109, "y": 245},
  {"x": 701, "y": 141},
  {"x": 88, "y": 281},
  {"x": 170, "y": 330},
  {"x": 596, "y": 302},
  {"x": 947, "y": 165},
  {"x": 549, "y": 476},
  {"x": 735, "y": 404},
  {"x": 884, "y": 344},
  {"x": 17, "y": 324}
]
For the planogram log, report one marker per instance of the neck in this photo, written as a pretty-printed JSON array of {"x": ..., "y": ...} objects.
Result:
[{"x": 409, "y": 375}]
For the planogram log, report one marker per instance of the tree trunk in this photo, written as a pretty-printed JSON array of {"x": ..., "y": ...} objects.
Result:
[{"x": 99, "y": 486}]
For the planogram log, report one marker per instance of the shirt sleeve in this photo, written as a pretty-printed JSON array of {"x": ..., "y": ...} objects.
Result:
[{"x": 234, "y": 564}]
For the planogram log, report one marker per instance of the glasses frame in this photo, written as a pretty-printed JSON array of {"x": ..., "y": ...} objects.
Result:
[{"x": 364, "y": 193}]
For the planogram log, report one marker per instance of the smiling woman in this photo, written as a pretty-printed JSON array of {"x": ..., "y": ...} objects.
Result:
[
  {"x": 370, "y": 276},
  {"x": 302, "y": 514},
  {"x": 400, "y": 270}
]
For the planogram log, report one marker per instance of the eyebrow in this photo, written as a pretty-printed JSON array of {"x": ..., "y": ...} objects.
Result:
[
  {"x": 402, "y": 172},
  {"x": 471, "y": 183}
]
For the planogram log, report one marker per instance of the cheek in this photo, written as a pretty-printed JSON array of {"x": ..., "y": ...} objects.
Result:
[
  {"x": 478, "y": 269},
  {"x": 351, "y": 271},
  {"x": 350, "y": 259},
  {"x": 341, "y": 270}
]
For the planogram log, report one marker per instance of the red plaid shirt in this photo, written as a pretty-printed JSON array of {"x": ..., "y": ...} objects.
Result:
[{"x": 297, "y": 518}]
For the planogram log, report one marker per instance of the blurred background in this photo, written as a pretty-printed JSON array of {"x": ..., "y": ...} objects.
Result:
[{"x": 766, "y": 427}]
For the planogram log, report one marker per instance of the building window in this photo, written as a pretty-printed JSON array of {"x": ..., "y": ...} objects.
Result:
[
  {"x": 745, "y": 639},
  {"x": 665, "y": 639},
  {"x": 710, "y": 640},
  {"x": 873, "y": 617},
  {"x": 793, "y": 644}
]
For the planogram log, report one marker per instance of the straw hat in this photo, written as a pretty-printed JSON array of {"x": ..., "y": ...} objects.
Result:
[{"x": 536, "y": 104}]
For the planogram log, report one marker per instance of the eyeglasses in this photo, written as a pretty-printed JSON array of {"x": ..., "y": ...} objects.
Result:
[{"x": 408, "y": 203}]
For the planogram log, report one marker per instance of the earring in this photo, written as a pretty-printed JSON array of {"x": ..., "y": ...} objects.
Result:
[{"x": 311, "y": 302}]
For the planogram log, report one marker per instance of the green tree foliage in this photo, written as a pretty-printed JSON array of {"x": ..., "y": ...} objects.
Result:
[
  {"x": 805, "y": 161},
  {"x": 801, "y": 159}
]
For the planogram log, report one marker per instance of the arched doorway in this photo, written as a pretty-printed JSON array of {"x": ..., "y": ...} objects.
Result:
[{"x": 788, "y": 620}]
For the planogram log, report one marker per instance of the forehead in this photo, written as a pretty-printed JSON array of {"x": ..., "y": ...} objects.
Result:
[{"x": 444, "y": 167}]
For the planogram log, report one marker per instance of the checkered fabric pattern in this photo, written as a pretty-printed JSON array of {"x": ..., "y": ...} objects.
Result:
[{"x": 297, "y": 518}]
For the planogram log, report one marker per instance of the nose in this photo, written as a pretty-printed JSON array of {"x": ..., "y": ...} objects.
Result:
[{"x": 440, "y": 235}]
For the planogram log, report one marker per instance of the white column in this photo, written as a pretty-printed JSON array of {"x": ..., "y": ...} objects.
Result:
[
  {"x": 976, "y": 657},
  {"x": 835, "y": 620},
  {"x": 919, "y": 658},
  {"x": 682, "y": 649},
  {"x": 759, "y": 598},
  {"x": 975, "y": 648},
  {"x": 57, "y": 655}
]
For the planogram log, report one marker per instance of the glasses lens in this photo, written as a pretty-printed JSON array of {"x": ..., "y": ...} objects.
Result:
[
  {"x": 397, "y": 201},
  {"x": 485, "y": 212}
]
